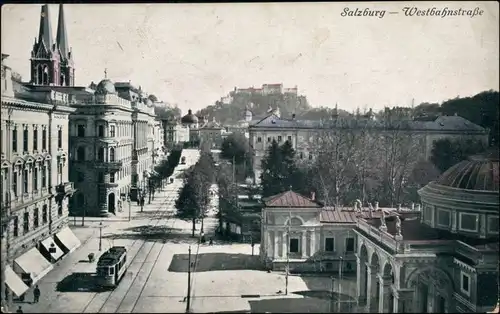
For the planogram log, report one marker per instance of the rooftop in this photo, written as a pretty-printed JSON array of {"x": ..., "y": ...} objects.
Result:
[
  {"x": 290, "y": 199},
  {"x": 111, "y": 256},
  {"x": 413, "y": 230},
  {"x": 442, "y": 123},
  {"x": 479, "y": 174}
]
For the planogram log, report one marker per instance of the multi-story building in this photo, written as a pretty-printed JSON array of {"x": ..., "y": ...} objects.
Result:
[
  {"x": 445, "y": 260},
  {"x": 174, "y": 133},
  {"x": 143, "y": 118},
  {"x": 101, "y": 143},
  {"x": 211, "y": 133},
  {"x": 304, "y": 134},
  {"x": 158, "y": 147},
  {"x": 34, "y": 179}
]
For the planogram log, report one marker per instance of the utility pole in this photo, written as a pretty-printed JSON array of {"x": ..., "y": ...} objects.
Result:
[
  {"x": 288, "y": 252},
  {"x": 100, "y": 236},
  {"x": 129, "y": 208},
  {"x": 340, "y": 283},
  {"x": 331, "y": 294},
  {"x": 234, "y": 165},
  {"x": 188, "y": 299},
  {"x": 83, "y": 216}
]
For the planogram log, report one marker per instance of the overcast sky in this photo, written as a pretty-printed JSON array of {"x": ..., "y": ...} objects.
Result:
[{"x": 192, "y": 54}]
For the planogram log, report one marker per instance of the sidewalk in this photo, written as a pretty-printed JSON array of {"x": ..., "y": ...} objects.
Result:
[
  {"x": 169, "y": 193},
  {"x": 89, "y": 238}
]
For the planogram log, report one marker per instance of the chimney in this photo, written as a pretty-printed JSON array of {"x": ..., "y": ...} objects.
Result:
[
  {"x": 399, "y": 208},
  {"x": 412, "y": 206},
  {"x": 418, "y": 207},
  {"x": 376, "y": 206},
  {"x": 293, "y": 116},
  {"x": 313, "y": 196}
]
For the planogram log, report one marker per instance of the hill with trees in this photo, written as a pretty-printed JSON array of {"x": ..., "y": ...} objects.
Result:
[{"x": 288, "y": 104}]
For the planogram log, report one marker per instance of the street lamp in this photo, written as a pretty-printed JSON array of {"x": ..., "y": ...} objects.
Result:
[{"x": 100, "y": 236}]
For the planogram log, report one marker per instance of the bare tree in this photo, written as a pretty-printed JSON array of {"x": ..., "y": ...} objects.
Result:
[
  {"x": 336, "y": 147},
  {"x": 400, "y": 151}
]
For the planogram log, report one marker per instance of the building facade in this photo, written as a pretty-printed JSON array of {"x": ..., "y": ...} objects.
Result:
[
  {"x": 211, "y": 133},
  {"x": 443, "y": 260},
  {"x": 174, "y": 133},
  {"x": 304, "y": 134},
  {"x": 35, "y": 188},
  {"x": 300, "y": 232},
  {"x": 143, "y": 120},
  {"x": 101, "y": 142}
]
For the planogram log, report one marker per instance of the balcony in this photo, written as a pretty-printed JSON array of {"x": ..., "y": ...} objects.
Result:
[
  {"x": 65, "y": 188},
  {"x": 109, "y": 165}
]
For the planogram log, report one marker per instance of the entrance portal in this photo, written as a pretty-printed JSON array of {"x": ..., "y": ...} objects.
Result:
[{"x": 111, "y": 203}]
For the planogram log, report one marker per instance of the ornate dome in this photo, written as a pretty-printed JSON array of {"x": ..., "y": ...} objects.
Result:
[
  {"x": 480, "y": 173},
  {"x": 190, "y": 118},
  {"x": 105, "y": 87}
]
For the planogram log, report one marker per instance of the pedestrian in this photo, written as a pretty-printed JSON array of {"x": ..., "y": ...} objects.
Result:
[
  {"x": 211, "y": 242},
  {"x": 36, "y": 294},
  {"x": 19, "y": 309}
]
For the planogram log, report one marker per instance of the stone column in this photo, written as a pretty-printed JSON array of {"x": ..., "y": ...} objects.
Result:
[
  {"x": 384, "y": 294},
  {"x": 360, "y": 280},
  {"x": 431, "y": 298},
  {"x": 371, "y": 286},
  {"x": 402, "y": 301},
  {"x": 284, "y": 243},
  {"x": 304, "y": 245},
  {"x": 313, "y": 242},
  {"x": 276, "y": 244}
]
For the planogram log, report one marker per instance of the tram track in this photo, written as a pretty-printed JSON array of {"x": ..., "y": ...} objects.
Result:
[{"x": 100, "y": 301}]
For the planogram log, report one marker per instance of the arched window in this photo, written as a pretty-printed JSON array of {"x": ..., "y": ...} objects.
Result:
[
  {"x": 80, "y": 153},
  {"x": 112, "y": 154},
  {"x": 45, "y": 75},
  {"x": 63, "y": 80},
  {"x": 39, "y": 74},
  {"x": 100, "y": 154}
]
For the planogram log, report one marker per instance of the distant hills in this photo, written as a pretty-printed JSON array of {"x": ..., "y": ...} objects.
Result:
[{"x": 231, "y": 109}]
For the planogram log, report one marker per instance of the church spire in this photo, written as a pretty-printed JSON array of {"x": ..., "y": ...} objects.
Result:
[
  {"x": 62, "y": 37},
  {"x": 45, "y": 32}
]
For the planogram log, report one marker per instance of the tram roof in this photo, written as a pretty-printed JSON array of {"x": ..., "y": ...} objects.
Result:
[{"x": 111, "y": 256}]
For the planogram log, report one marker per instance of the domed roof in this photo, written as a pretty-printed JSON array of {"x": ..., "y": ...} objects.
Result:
[
  {"x": 105, "y": 87},
  {"x": 153, "y": 98},
  {"x": 189, "y": 118},
  {"x": 480, "y": 173}
]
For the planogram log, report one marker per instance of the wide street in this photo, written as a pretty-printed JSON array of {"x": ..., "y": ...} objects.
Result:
[{"x": 225, "y": 278}]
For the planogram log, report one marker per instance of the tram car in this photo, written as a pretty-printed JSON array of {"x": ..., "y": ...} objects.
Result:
[{"x": 111, "y": 267}]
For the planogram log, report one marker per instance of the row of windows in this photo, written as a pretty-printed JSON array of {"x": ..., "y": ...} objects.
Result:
[
  {"x": 35, "y": 140},
  {"x": 101, "y": 154},
  {"x": 36, "y": 184},
  {"x": 270, "y": 139},
  {"x": 80, "y": 131},
  {"x": 329, "y": 245},
  {"x": 36, "y": 219},
  {"x": 113, "y": 177},
  {"x": 467, "y": 221}
]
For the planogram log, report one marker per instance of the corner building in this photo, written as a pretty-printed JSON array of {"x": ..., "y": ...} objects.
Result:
[
  {"x": 35, "y": 188},
  {"x": 101, "y": 142}
]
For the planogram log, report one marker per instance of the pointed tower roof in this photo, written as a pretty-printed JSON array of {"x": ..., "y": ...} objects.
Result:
[
  {"x": 62, "y": 37},
  {"x": 45, "y": 32}
]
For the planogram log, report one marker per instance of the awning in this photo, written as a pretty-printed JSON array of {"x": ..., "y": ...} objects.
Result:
[
  {"x": 56, "y": 250},
  {"x": 15, "y": 284},
  {"x": 68, "y": 239},
  {"x": 33, "y": 263}
]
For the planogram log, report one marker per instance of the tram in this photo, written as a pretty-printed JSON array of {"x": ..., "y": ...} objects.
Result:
[{"x": 111, "y": 267}]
